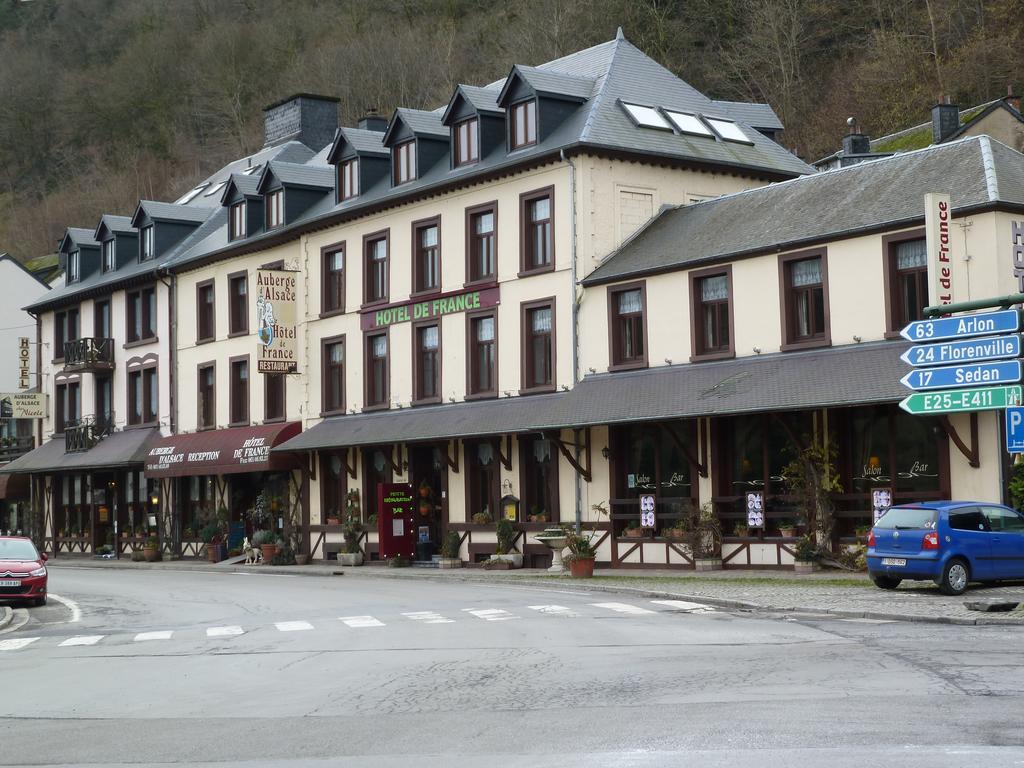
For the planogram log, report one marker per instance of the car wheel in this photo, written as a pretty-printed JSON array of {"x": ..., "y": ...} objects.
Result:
[
  {"x": 886, "y": 582},
  {"x": 954, "y": 577},
  {"x": 40, "y": 600}
]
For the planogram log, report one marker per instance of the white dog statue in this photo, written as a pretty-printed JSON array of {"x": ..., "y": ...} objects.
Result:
[{"x": 253, "y": 555}]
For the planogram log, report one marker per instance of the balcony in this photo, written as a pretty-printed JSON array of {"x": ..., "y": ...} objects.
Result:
[
  {"x": 82, "y": 435},
  {"x": 15, "y": 447},
  {"x": 89, "y": 354}
]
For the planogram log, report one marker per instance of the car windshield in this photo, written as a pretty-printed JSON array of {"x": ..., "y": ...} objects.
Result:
[
  {"x": 17, "y": 549},
  {"x": 907, "y": 517}
]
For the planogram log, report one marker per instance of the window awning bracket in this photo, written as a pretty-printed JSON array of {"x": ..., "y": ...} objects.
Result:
[
  {"x": 969, "y": 452},
  {"x": 583, "y": 470},
  {"x": 702, "y": 467}
]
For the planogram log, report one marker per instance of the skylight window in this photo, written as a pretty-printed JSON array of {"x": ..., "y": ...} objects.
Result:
[
  {"x": 646, "y": 117},
  {"x": 728, "y": 130},
  {"x": 252, "y": 170},
  {"x": 190, "y": 195},
  {"x": 688, "y": 123},
  {"x": 215, "y": 188}
]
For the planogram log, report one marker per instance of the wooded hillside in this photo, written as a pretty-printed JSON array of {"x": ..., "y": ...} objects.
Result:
[{"x": 103, "y": 102}]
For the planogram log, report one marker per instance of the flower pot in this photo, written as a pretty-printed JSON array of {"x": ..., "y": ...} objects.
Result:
[
  {"x": 515, "y": 559},
  {"x": 634, "y": 533},
  {"x": 350, "y": 558},
  {"x": 582, "y": 567},
  {"x": 213, "y": 553},
  {"x": 302, "y": 559},
  {"x": 333, "y": 521},
  {"x": 269, "y": 552},
  {"x": 449, "y": 562},
  {"x": 805, "y": 566},
  {"x": 707, "y": 563},
  {"x": 787, "y": 533},
  {"x": 151, "y": 554}
]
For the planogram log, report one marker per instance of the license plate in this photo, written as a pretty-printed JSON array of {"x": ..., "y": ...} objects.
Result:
[
  {"x": 10, "y": 583},
  {"x": 897, "y": 561}
]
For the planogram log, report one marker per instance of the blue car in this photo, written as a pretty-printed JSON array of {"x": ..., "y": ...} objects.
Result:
[{"x": 948, "y": 542}]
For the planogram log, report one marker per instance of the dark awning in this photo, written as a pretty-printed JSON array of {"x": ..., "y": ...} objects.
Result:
[
  {"x": 14, "y": 486},
  {"x": 117, "y": 450},
  {"x": 221, "y": 451},
  {"x": 476, "y": 418}
]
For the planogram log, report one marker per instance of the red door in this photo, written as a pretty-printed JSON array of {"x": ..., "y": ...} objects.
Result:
[{"x": 396, "y": 525}]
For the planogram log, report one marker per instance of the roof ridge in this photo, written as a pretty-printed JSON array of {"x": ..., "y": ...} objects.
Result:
[
  {"x": 988, "y": 163},
  {"x": 597, "y": 98}
]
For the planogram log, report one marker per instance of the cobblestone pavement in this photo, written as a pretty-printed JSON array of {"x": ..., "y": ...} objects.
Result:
[{"x": 834, "y": 592}]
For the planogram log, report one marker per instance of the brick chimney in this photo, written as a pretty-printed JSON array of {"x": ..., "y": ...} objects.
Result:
[
  {"x": 945, "y": 121},
  {"x": 855, "y": 142},
  {"x": 303, "y": 117}
]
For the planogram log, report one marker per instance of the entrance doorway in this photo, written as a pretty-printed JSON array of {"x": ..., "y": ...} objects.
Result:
[{"x": 430, "y": 483}]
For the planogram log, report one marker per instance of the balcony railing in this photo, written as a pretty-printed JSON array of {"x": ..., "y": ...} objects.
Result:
[
  {"x": 82, "y": 435},
  {"x": 89, "y": 354},
  {"x": 12, "y": 448}
]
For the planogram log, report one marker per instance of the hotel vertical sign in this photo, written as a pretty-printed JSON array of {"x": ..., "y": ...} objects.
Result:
[
  {"x": 278, "y": 348},
  {"x": 937, "y": 221},
  {"x": 24, "y": 352}
]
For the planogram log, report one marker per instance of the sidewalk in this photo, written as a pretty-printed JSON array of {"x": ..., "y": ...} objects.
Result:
[{"x": 848, "y": 595}]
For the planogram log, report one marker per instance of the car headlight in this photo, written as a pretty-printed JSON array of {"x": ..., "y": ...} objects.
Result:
[{"x": 40, "y": 571}]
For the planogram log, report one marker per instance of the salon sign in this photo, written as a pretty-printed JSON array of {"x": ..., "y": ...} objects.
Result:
[{"x": 276, "y": 331}]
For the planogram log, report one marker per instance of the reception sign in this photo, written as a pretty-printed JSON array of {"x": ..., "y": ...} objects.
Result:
[{"x": 278, "y": 349}]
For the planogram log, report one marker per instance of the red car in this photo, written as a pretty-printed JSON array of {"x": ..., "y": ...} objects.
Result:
[{"x": 22, "y": 570}]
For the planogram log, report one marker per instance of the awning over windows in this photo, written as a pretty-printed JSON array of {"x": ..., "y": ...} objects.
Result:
[
  {"x": 14, "y": 487},
  {"x": 121, "y": 449},
  {"x": 222, "y": 451}
]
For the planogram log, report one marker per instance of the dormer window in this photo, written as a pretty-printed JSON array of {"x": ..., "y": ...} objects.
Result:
[
  {"x": 524, "y": 124},
  {"x": 146, "y": 243},
  {"x": 108, "y": 255},
  {"x": 275, "y": 208},
  {"x": 467, "y": 141},
  {"x": 74, "y": 266},
  {"x": 238, "y": 221},
  {"x": 349, "y": 177},
  {"x": 404, "y": 160}
]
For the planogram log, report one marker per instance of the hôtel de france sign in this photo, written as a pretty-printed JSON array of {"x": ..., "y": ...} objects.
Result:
[{"x": 429, "y": 308}]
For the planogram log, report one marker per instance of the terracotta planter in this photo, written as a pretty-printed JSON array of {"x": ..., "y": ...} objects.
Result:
[
  {"x": 582, "y": 567},
  {"x": 151, "y": 554},
  {"x": 634, "y": 533},
  {"x": 333, "y": 521},
  {"x": 269, "y": 552},
  {"x": 707, "y": 563},
  {"x": 787, "y": 533},
  {"x": 302, "y": 559}
]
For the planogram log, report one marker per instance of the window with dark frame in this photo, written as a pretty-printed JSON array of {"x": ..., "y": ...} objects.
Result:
[
  {"x": 376, "y": 269},
  {"x": 74, "y": 266},
  {"x": 238, "y": 223},
  {"x": 238, "y": 391},
  {"x": 467, "y": 141},
  {"x": 104, "y": 399},
  {"x": 207, "y": 375},
  {"x": 275, "y": 208},
  {"x": 349, "y": 173},
  {"x": 377, "y": 394},
  {"x": 426, "y": 257},
  {"x": 146, "y": 244},
  {"x": 713, "y": 334},
  {"x": 483, "y": 359},
  {"x": 538, "y": 462},
  {"x": 334, "y": 486},
  {"x": 628, "y": 331},
  {"x": 205, "y": 311},
  {"x": 482, "y": 244},
  {"x": 101, "y": 319},
  {"x": 428, "y": 363},
  {"x": 333, "y": 395},
  {"x": 538, "y": 347},
  {"x": 910, "y": 272},
  {"x": 523, "y": 123},
  {"x": 141, "y": 315},
  {"x": 143, "y": 397},
  {"x": 65, "y": 329},
  {"x": 482, "y": 478},
  {"x": 238, "y": 304},
  {"x": 67, "y": 405},
  {"x": 536, "y": 231},
  {"x": 334, "y": 280},
  {"x": 274, "y": 396},
  {"x": 109, "y": 257},
  {"x": 404, "y": 160},
  {"x": 805, "y": 289}
]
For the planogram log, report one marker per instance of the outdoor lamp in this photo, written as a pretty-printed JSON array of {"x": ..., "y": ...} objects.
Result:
[
  {"x": 437, "y": 459},
  {"x": 154, "y": 499},
  {"x": 606, "y": 453},
  {"x": 542, "y": 450},
  {"x": 485, "y": 453},
  {"x": 510, "y": 507},
  {"x": 378, "y": 460}
]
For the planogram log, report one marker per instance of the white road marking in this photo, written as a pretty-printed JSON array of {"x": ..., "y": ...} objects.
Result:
[
  {"x": 554, "y": 610},
  {"x": 428, "y": 617},
  {"x": 869, "y": 621},
  {"x": 491, "y": 614},
  {"x": 71, "y": 605},
  {"x": 16, "y": 643},
  {"x": 83, "y": 640},
  {"x": 293, "y": 626},
  {"x": 359, "y": 622},
  {"x": 538, "y": 590},
  {"x": 683, "y": 605},
  {"x": 164, "y": 634},
  {"x": 223, "y": 631},
  {"x": 18, "y": 620},
  {"x": 634, "y": 610}
]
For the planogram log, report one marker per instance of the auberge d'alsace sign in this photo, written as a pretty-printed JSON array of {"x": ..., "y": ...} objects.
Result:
[{"x": 427, "y": 309}]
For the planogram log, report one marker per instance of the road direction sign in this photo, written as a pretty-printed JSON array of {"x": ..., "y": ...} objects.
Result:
[
  {"x": 961, "y": 400},
  {"x": 1015, "y": 429},
  {"x": 963, "y": 351},
  {"x": 976, "y": 375},
  {"x": 963, "y": 326}
]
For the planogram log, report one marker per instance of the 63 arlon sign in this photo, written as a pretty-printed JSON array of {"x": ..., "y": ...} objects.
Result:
[{"x": 276, "y": 297}]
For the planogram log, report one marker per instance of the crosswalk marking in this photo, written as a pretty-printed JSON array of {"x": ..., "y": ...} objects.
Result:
[
  {"x": 491, "y": 614},
  {"x": 359, "y": 622},
  {"x": 82, "y": 640},
  {"x": 164, "y": 634},
  {"x": 868, "y": 621},
  {"x": 16, "y": 643},
  {"x": 553, "y": 610},
  {"x": 428, "y": 617},
  {"x": 293, "y": 626},
  {"x": 634, "y": 610},
  {"x": 223, "y": 631},
  {"x": 683, "y": 605}
]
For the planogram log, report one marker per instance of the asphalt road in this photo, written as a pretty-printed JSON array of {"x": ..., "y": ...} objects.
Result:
[{"x": 270, "y": 670}]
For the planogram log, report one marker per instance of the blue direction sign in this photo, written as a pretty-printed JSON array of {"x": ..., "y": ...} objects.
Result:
[
  {"x": 976, "y": 375},
  {"x": 965, "y": 351},
  {"x": 1015, "y": 429},
  {"x": 963, "y": 326}
]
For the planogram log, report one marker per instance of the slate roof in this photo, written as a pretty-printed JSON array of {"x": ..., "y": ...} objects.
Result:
[
  {"x": 119, "y": 449},
  {"x": 160, "y": 211},
  {"x": 977, "y": 171},
  {"x": 116, "y": 224},
  {"x": 483, "y": 99},
  {"x": 549, "y": 82},
  {"x": 365, "y": 142},
  {"x": 246, "y": 184},
  {"x": 297, "y": 175},
  {"x": 754, "y": 115},
  {"x": 78, "y": 236},
  {"x": 420, "y": 121}
]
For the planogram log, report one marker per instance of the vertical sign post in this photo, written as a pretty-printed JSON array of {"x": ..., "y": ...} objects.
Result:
[
  {"x": 755, "y": 509},
  {"x": 937, "y": 219},
  {"x": 24, "y": 351},
  {"x": 647, "y": 506},
  {"x": 276, "y": 296}
]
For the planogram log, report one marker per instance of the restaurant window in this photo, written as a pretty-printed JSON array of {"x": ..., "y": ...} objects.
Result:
[
  {"x": 101, "y": 319},
  {"x": 142, "y": 396},
  {"x": 275, "y": 208},
  {"x": 427, "y": 365},
  {"x": 536, "y": 231},
  {"x": 426, "y": 256},
  {"x": 481, "y": 243},
  {"x": 205, "y": 311},
  {"x": 238, "y": 304},
  {"x": 805, "y": 303},
  {"x": 712, "y": 314},
  {"x": 202, "y": 495},
  {"x": 523, "y": 124},
  {"x": 377, "y": 469},
  {"x": 888, "y": 448},
  {"x": 67, "y": 405},
  {"x": 349, "y": 172},
  {"x": 109, "y": 257},
  {"x": 146, "y": 244},
  {"x": 404, "y": 160},
  {"x": 207, "y": 375},
  {"x": 238, "y": 391},
  {"x": 628, "y": 328},
  {"x": 334, "y": 487},
  {"x": 538, "y": 462},
  {"x": 908, "y": 275},
  {"x": 375, "y": 249},
  {"x": 538, "y": 346},
  {"x": 141, "y": 315},
  {"x": 467, "y": 141},
  {"x": 377, "y": 395},
  {"x": 274, "y": 396},
  {"x": 651, "y": 460},
  {"x": 333, "y": 395},
  {"x": 74, "y": 266},
  {"x": 482, "y": 479},
  {"x": 333, "y": 299},
  {"x": 238, "y": 223},
  {"x": 483, "y": 358}
]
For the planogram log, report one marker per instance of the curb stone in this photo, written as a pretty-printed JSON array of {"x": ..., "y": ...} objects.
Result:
[{"x": 6, "y": 616}]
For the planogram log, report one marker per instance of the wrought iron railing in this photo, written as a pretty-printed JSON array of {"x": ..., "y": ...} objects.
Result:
[
  {"x": 84, "y": 434},
  {"x": 14, "y": 447},
  {"x": 89, "y": 353}
]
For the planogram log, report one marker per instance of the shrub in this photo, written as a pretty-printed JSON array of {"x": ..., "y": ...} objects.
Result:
[
  {"x": 262, "y": 537},
  {"x": 506, "y": 537},
  {"x": 398, "y": 562},
  {"x": 451, "y": 545}
]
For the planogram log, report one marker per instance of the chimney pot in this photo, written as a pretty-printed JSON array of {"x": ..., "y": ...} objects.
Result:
[
  {"x": 855, "y": 142},
  {"x": 372, "y": 121}
]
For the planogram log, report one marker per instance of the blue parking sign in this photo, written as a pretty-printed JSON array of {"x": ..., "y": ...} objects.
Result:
[{"x": 1015, "y": 429}]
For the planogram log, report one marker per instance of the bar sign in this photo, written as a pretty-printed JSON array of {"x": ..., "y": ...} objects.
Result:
[{"x": 24, "y": 350}]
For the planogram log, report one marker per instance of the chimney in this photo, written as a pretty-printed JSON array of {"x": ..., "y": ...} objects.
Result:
[
  {"x": 1013, "y": 101},
  {"x": 303, "y": 117},
  {"x": 945, "y": 121},
  {"x": 855, "y": 142},
  {"x": 371, "y": 121}
]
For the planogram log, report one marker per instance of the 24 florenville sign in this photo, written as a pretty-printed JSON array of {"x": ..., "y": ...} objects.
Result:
[
  {"x": 427, "y": 309},
  {"x": 276, "y": 296}
]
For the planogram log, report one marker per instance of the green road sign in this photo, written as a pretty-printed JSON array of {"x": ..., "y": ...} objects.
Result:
[{"x": 960, "y": 400}]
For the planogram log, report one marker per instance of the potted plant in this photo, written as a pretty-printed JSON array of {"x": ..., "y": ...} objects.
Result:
[
  {"x": 450, "y": 551},
  {"x": 633, "y": 530},
  {"x": 741, "y": 530},
  {"x": 267, "y": 542},
  {"x": 482, "y": 518},
  {"x": 805, "y": 555},
  {"x": 399, "y": 562},
  {"x": 581, "y": 553},
  {"x": 862, "y": 532},
  {"x": 787, "y": 529},
  {"x": 506, "y": 552},
  {"x": 333, "y": 519},
  {"x": 352, "y": 553},
  {"x": 150, "y": 551}
]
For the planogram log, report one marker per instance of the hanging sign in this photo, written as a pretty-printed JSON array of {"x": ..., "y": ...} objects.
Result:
[
  {"x": 647, "y": 506},
  {"x": 937, "y": 219},
  {"x": 755, "y": 509},
  {"x": 24, "y": 352},
  {"x": 23, "y": 405},
  {"x": 276, "y": 297},
  {"x": 881, "y": 500}
]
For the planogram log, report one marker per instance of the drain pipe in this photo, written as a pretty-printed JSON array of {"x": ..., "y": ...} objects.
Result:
[{"x": 575, "y": 332}]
